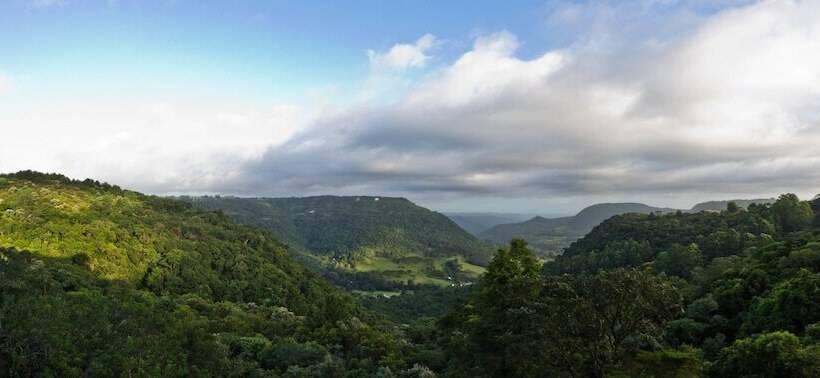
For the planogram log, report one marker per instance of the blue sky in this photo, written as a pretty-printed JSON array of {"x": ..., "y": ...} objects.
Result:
[
  {"x": 260, "y": 48},
  {"x": 461, "y": 105}
]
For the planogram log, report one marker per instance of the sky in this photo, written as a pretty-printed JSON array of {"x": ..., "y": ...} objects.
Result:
[{"x": 513, "y": 106}]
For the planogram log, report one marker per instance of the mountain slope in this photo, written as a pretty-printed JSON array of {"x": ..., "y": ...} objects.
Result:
[
  {"x": 549, "y": 236},
  {"x": 99, "y": 281},
  {"x": 391, "y": 238}
]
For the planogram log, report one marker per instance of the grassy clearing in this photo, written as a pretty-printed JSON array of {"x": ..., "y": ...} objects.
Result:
[
  {"x": 419, "y": 269},
  {"x": 377, "y": 293}
]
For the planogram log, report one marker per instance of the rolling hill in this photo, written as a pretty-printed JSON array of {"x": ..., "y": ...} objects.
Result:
[
  {"x": 549, "y": 236},
  {"x": 364, "y": 242},
  {"x": 100, "y": 281}
]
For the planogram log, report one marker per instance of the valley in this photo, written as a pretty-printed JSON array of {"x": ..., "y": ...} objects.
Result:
[
  {"x": 409, "y": 189},
  {"x": 97, "y": 280},
  {"x": 365, "y": 243}
]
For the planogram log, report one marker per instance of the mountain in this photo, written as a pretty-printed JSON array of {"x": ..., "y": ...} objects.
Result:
[
  {"x": 721, "y": 205},
  {"x": 100, "y": 281},
  {"x": 595, "y": 214},
  {"x": 476, "y": 223},
  {"x": 549, "y": 236},
  {"x": 364, "y": 242}
]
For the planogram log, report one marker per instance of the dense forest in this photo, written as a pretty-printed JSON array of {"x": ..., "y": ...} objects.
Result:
[
  {"x": 100, "y": 281},
  {"x": 730, "y": 294}
]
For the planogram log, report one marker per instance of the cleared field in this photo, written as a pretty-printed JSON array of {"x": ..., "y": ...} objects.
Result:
[
  {"x": 377, "y": 293},
  {"x": 420, "y": 270}
]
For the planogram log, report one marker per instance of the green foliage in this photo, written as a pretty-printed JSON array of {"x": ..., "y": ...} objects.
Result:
[
  {"x": 411, "y": 305},
  {"x": 153, "y": 243},
  {"x": 742, "y": 273},
  {"x": 791, "y": 214},
  {"x": 523, "y": 324},
  {"x": 776, "y": 354},
  {"x": 683, "y": 363},
  {"x": 679, "y": 260},
  {"x": 508, "y": 288},
  {"x": 634, "y": 239},
  {"x": 792, "y": 305},
  {"x": 98, "y": 281}
]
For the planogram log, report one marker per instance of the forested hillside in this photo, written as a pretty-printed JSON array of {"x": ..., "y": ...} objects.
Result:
[
  {"x": 549, "y": 236},
  {"x": 364, "y": 242},
  {"x": 750, "y": 280},
  {"x": 100, "y": 281},
  {"x": 731, "y": 294}
]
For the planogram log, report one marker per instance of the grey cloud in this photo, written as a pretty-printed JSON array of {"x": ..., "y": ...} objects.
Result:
[{"x": 661, "y": 117}]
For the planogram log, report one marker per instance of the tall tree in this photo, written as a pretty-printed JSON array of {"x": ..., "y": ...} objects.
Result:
[
  {"x": 586, "y": 323},
  {"x": 790, "y": 214},
  {"x": 505, "y": 304}
]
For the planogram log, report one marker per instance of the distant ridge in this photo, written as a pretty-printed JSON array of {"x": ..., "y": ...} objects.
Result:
[
  {"x": 721, "y": 205},
  {"x": 476, "y": 223},
  {"x": 549, "y": 236}
]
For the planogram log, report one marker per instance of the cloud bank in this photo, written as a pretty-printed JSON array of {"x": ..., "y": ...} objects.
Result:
[
  {"x": 650, "y": 101},
  {"x": 731, "y": 106},
  {"x": 157, "y": 147}
]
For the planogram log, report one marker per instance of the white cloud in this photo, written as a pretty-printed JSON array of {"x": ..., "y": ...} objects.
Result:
[
  {"x": 158, "y": 147},
  {"x": 486, "y": 72},
  {"x": 729, "y": 107},
  {"x": 403, "y": 56}
]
